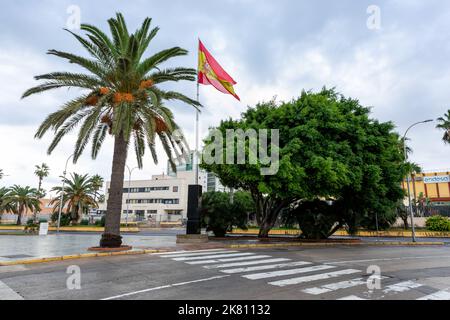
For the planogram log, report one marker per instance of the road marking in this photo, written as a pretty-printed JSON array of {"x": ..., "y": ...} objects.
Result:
[
  {"x": 352, "y": 297},
  {"x": 199, "y": 254},
  {"x": 187, "y": 251},
  {"x": 164, "y": 287},
  {"x": 340, "y": 285},
  {"x": 266, "y": 267},
  {"x": 440, "y": 295},
  {"x": 228, "y": 259},
  {"x": 402, "y": 287},
  {"x": 6, "y": 293},
  {"x": 214, "y": 256},
  {"x": 247, "y": 263},
  {"x": 381, "y": 259},
  {"x": 321, "y": 276},
  {"x": 263, "y": 275}
]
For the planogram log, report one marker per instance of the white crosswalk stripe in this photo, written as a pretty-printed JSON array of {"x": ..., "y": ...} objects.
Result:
[
  {"x": 228, "y": 259},
  {"x": 440, "y": 295},
  {"x": 214, "y": 256},
  {"x": 264, "y": 275},
  {"x": 338, "y": 286},
  {"x": 198, "y": 254},
  {"x": 246, "y": 263},
  {"x": 186, "y": 251},
  {"x": 320, "y": 276},
  {"x": 352, "y": 297},
  {"x": 402, "y": 287},
  {"x": 266, "y": 267}
]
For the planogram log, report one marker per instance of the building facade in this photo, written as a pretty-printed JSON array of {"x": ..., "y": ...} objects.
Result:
[
  {"x": 432, "y": 185},
  {"x": 163, "y": 198}
]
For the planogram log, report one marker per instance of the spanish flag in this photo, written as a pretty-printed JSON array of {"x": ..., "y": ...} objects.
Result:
[{"x": 211, "y": 73}]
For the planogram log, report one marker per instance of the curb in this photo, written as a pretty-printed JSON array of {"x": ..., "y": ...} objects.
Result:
[
  {"x": 80, "y": 256},
  {"x": 385, "y": 243}
]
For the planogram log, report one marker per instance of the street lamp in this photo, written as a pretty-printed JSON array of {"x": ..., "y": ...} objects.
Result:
[
  {"x": 62, "y": 193},
  {"x": 408, "y": 178},
  {"x": 128, "y": 197}
]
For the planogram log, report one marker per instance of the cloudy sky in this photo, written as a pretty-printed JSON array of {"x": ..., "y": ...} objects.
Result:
[{"x": 271, "y": 48}]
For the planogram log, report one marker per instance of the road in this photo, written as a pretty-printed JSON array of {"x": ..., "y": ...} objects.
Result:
[{"x": 326, "y": 273}]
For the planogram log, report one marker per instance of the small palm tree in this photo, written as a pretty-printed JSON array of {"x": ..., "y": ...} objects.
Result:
[
  {"x": 41, "y": 172},
  {"x": 122, "y": 98},
  {"x": 1, "y": 174},
  {"x": 21, "y": 199},
  {"x": 444, "y": 124},
  {"x": 4, "y": 206},
  {"x": 79, "y": 196}
]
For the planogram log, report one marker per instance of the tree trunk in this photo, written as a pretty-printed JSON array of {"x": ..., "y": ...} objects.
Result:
[
  {"x": 111, "y": 237},
  {"x": 19, "y": 216}
]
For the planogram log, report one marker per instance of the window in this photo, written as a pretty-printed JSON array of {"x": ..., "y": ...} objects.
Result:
[
  {"x": 152, "y": 211},
  {"x": 175, "y": 189}
]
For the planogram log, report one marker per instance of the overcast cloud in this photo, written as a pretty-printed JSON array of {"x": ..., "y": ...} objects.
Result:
[{"x": 271, "y": 48}]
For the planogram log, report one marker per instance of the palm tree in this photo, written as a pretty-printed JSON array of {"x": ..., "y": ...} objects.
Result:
[
  {"x": 444, "y": 124},
  {"x": 4, "y": 206},
  {"x": 98, "y": 181},
  {"x": 78, "y": 196},
  {"x": 21, "y": 199},
  {"x": 1, "y": 174},
  {"x": 122, "y": 99},
  {"x": 41, "y": 172}
]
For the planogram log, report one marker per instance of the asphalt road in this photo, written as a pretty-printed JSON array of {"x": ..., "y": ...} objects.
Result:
[{"x": 328, "y": 273}]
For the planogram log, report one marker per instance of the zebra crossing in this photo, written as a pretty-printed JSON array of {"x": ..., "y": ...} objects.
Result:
[{"x": 284, "y": 272}]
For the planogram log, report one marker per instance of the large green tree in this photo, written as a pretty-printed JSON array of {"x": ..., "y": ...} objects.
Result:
[
  {"x": 330, "y": 149},
  {"x": 79, "y": 195},
  {"x": 444, "y": 124},
  {"x": 122, "y": 98}
]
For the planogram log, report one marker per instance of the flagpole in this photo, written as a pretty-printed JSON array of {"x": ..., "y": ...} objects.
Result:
[
  {"x": 196, "y": 127},
  {"x": 196, "y": 133}
]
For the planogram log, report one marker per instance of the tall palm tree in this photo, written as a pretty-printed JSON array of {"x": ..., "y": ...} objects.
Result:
[
  {"x": 21, "y": 199},
  {"x": 1, "y": 174},
  {"x": 78, "y": 196},
  {"x": 444, "y": 124},
  {"x": 41, "y": 172},
  {"x": 122, "y": 99}
]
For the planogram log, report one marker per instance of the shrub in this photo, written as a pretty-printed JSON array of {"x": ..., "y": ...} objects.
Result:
[
  {"x": 219, "y": 215},
  {"x": 101, "y": 222},
  {"x": 438, "y": 223},
  {"x": 43, "y": 220},
  {"x": 84, "y": 222},
  {"x": 65, "y": 219}
]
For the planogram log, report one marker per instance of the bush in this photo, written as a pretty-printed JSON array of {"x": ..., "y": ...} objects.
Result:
[
  {"x": 101, "y": 222},
  {"x": 84, "y": 222},
  {"x": 219, "y": 215},
  {"x": 43, "y": 220},
  {"x": 438, "y": 223},
  {"x": 65, "y": 218}
]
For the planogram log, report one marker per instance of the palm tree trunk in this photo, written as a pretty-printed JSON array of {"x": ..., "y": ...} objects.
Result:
[{"x": 111, "y": 237}]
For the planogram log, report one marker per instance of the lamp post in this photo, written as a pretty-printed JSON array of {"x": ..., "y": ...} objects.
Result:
[
  {"x": 62, "y": 194},
  {"x": 128, "y": 197},
  {"x": 408, "y": 178}
]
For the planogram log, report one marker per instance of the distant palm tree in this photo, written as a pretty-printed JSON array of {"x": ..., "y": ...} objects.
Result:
[
  {"x": 122, "y": 99},
  {"x": 4, "y": 206},
  {"x": 78, "y": 196},
  {"x": 444, "y": 124},
  {"x": 1, "y": 174},
  {"x": 21, "y": 199},
  {"x": 41, "y": 172}
]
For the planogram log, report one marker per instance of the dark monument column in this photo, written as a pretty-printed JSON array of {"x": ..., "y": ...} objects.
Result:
[{"x": 193, "y": 209}]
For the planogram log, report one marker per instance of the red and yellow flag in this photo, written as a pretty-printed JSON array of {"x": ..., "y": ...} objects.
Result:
[{"x": 211, "y": 73}]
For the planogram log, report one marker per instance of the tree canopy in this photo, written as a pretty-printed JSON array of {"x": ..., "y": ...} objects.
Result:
[{"x": 330, "y": 149}]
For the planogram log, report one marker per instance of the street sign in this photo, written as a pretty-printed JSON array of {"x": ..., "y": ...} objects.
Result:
[{"x": 43, "y": 228}]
